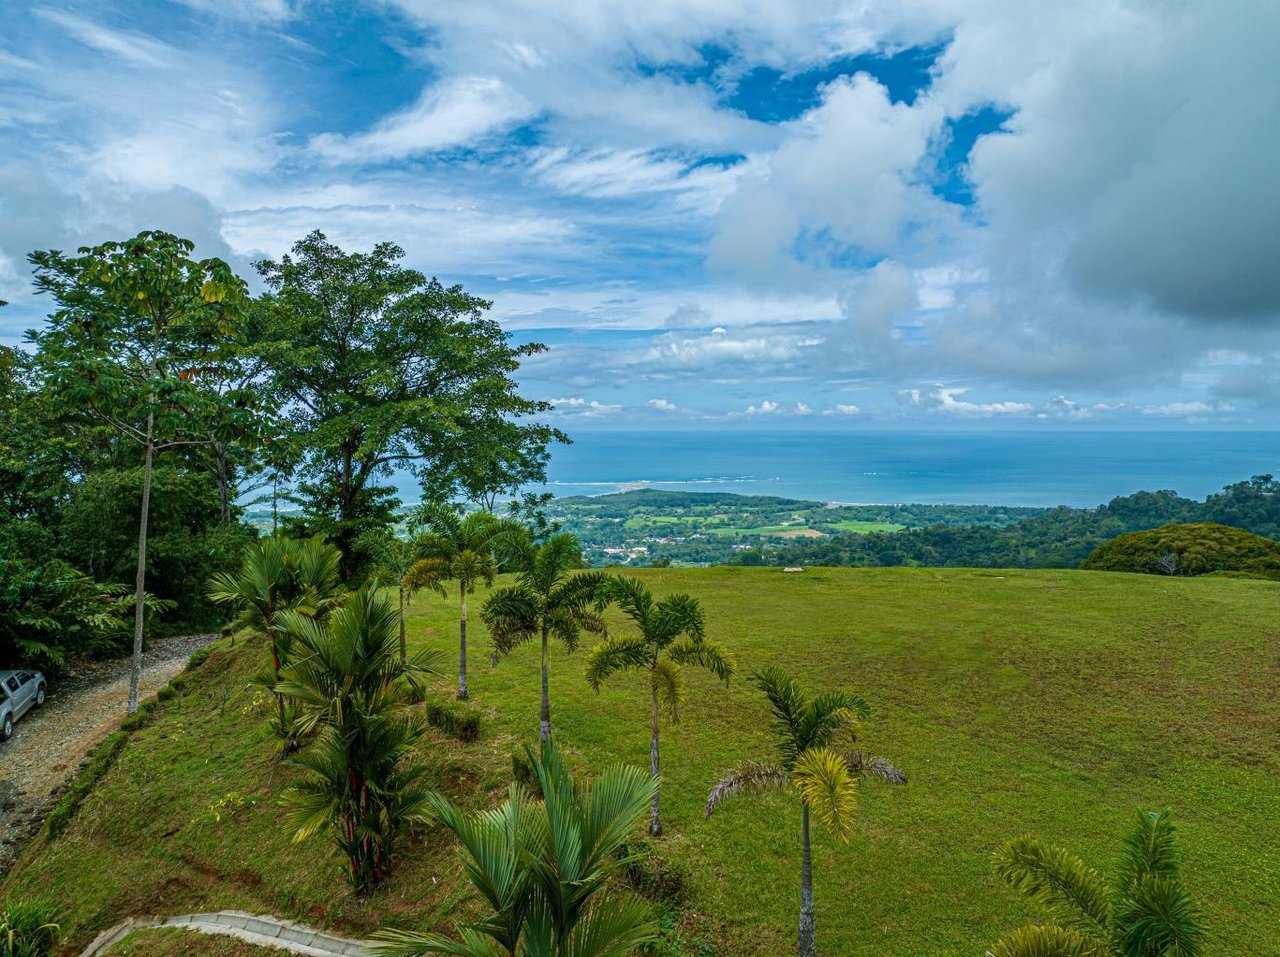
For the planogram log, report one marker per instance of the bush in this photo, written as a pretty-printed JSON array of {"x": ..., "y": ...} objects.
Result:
[
  {"x": 198, "y": 657},
  {"x": 454, "y": 719},
  {"x": 653, "y": 876},
  {"x": 140, "y": 718},
  {"x": 103, "y": 757},
  {"x": 27, "y": 929},
  {"x": 1200, "y": 548}
]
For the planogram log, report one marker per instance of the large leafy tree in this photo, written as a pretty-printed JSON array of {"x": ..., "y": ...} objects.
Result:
[
  {"x": 804, "y": 733},
  {"x": 669, "y": 633},
  {"x": 380, "y": 368},
  {"x": 352, "y": 691},
  {"x": 1141, "y": 910},
  {"x": 138, "y": 333},
  {"x": 543, "y": 869},
  {"x": 550, "y": 598},
  {"x": 459, "y": 549}
]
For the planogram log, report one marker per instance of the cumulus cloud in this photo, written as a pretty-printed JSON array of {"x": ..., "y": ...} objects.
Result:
[
  {"x": 663, "y": 405},
  {"x": 943, "y": 399},
  {"x": 583, "y": 408},
  {"x": 843, "y": 409}
]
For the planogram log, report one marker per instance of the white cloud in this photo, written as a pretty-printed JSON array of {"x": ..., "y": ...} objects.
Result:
[
  {"x": 944, "y": 400},
  {"x": 583, "y": 408},
  {"x": 136, "y": 48},
  {"x": 663, "y": 405},
  {"x": 1182, "y": 409},
  {"x": 450, "y": 113},
  {"x": 843, "y": 409}
]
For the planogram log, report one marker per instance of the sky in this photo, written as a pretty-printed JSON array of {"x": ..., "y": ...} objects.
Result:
[{"x": 757, "y": 214}]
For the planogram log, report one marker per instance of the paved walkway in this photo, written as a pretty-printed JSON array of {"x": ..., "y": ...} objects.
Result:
[{"x": 261, "y": 929}]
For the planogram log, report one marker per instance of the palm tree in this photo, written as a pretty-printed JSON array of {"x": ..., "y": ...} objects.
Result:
[
  {"x": 543, "y": 869},
  {"x": 279, "y": 574},
  {"x": 1142, "y": 910},
  {"x": 547, "y": 600},
  {"x": 672, "y": 626},
  {"x": 352, "y": 689},
  {"x": 458, "y": 549},
  {"x": 392, "y": 558},
  {"x": 803, "y": 732}
]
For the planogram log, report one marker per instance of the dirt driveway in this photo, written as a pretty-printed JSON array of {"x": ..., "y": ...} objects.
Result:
[{"x": 50, "y": 743}]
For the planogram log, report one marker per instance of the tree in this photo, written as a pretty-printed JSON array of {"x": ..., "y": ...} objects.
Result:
[
  {"x": 138, "y": 331},
  {"x": 380, "y": 368},
  {"x": 456, "y": 548},
  {"x": 548, "y": 599},
  {"x": 670, "y": 633},
  {"x": 543, "y": 869},
  {"x": 352, "y": 691},
  {"x": 497, "y": 457},
  {"x": 279, "y": 575},
  {"x": 826, "y": 779},
  {"x": 1142, "y": 910}
]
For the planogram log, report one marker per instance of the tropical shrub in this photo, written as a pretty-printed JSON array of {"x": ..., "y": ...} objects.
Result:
[
  {"x": 27, "y": 929},
  {"x": 454, "y": 719}
]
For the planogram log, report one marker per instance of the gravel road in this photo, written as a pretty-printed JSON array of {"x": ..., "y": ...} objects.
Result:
[{"x": 49, "y": 744}]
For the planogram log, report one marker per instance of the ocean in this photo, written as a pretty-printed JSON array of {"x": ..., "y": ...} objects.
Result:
[{"x": 1044, "y": 468}]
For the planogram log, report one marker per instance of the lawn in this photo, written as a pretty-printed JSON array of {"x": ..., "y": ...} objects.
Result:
[
  {"x": 863, "y": 528},
  {"x": 1048, "y": 702}
]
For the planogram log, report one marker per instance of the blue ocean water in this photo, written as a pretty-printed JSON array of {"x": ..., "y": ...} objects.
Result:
[{"x": 995, "y": 468}]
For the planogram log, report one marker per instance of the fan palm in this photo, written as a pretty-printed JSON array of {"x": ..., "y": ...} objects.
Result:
[
  {"x": 804, "y": 731},
  {"x": 279, "y": 574},
  {"x": 456, "y": 548},
  {"x": 1142, "y": 910},
  {"x": 543, "y": 869},
  {"x": 350, "y": 686},
  {"x": 670, "y": 633},
  {"x": 550, "y": 598}
]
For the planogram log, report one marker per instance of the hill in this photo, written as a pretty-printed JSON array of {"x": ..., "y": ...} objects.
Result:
[
  {"x": 1052, "y": 702},
  {"x": 1199, "y": 548}
]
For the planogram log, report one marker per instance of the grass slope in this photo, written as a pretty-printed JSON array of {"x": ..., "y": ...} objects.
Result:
[{"x": 1026, "y": 701}]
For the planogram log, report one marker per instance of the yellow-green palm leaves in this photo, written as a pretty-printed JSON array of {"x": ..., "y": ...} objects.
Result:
[
  {"x": 668, "y": 633},
  {"x": 1141, "y": 910},
  {"x": 805, "y": 732}
]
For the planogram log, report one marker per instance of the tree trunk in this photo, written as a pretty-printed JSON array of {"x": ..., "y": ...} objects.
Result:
[
  {"x": 544, "y": 728},
  {"x": 462, "y": 644},
  {"x": 655, "y": 820},
  {"x": 224, "y": 480},
  {"x": 808, "y": 946},
  {"x": 140, "y": 584},
  {"x": 404, "y": 648}
]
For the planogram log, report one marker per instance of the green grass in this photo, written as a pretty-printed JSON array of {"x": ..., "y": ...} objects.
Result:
[
  {"x": 1047, "y": 702},
  {"x": 174, "y": 942},
  {"x": 863, "y": 528}
]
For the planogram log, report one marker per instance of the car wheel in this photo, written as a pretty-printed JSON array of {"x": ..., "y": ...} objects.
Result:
[
  {"x": 39, "y": 696},
  {"x": 6, "y": 732}
]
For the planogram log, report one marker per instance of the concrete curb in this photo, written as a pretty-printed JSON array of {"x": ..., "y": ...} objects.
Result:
[{"x": 260, "y": 929}]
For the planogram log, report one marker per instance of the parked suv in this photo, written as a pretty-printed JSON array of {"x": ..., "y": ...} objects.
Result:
[{"x": 20, "y": 691}]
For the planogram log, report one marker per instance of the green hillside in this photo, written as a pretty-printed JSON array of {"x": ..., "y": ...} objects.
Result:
[{"x": 1025, "y": 701}]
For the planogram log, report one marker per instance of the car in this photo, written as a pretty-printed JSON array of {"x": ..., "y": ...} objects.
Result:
[{"x": 20, "y": 691}]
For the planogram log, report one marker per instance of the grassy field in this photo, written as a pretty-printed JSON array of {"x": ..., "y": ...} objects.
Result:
[
  {"x": 1055, "y": 703},
  {"x": 169, "y": 941}
]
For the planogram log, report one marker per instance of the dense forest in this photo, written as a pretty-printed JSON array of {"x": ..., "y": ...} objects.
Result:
[{"x": 1059, "y": 538}]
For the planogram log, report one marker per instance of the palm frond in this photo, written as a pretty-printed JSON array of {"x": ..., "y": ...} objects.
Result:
[
  {"x": 616, "y": 654},
  {"x": 613, "y": 929},
  {"x": 668, "y": 682},
  {"x": 874, "y": 767},
  {"x": 749, "y": 777},
  {"x": 1036, "y": 940},
  {"x": 1057, "y": 879},
  {"x": 1157, "y": 916},
  {"x": 828, "y": 789},
  {"x": 711, "y": 655},
  {"x": 1149, "y": 851}
]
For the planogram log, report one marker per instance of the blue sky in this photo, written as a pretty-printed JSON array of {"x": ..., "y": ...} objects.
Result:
[{"x": 831, "y": 215}]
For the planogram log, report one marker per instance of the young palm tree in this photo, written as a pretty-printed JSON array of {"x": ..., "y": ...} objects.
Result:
[
  {"x": 543, "y": 868},
  {"x": 351, "y": 689},
  {"x": 392, "y": 558},
  {"x": 670, "y": 634},
  {"x": 458, "y": 549},
  {"x": 279, "y": 574},
  {"x": 548, "y": 599},
  {"x": 1142, "y": 911},
  {"x": 804, "y": 731}
]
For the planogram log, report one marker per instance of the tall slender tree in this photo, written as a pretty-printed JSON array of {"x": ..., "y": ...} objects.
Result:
[
  {"x": 804, "y": 731},
  {"x": 551, "y": 598},
  {"x": 1141, "y": 910},
  {"x": 460, "y": 549},
  {"x": 139, "y": 336},
  {"x": 669, "y": 633}
]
